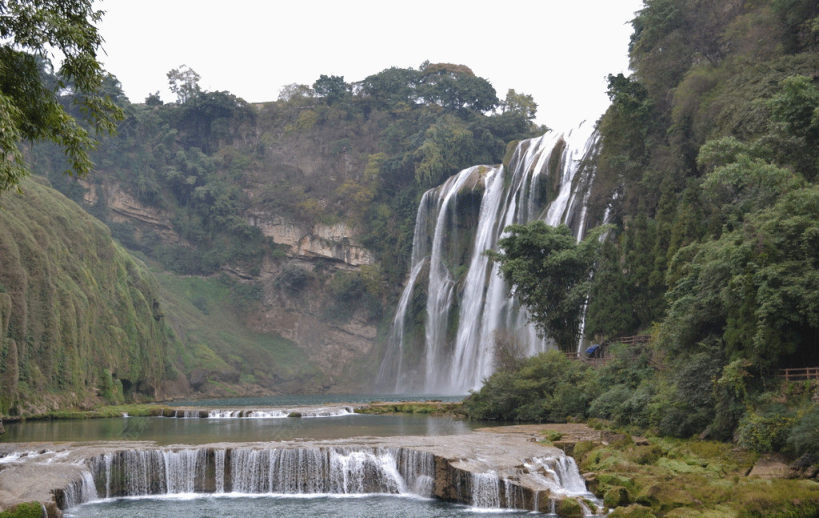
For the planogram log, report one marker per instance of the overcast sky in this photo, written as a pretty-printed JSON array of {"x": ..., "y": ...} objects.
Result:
[{"x": 558, "y": 51}]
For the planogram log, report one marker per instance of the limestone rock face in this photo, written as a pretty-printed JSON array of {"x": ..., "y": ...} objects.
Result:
[{"x": 336, "y": 242}]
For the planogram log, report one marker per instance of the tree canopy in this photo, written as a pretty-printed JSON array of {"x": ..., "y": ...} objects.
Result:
[
  {"x": 30, "y": 96},
  {"x": 550, "y": 273}
]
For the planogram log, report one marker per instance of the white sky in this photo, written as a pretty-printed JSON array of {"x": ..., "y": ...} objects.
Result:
[{"x": 559, "y": 51}]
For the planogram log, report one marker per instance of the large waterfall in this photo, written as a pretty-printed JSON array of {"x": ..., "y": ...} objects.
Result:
[{"x": 455, "y": 308}]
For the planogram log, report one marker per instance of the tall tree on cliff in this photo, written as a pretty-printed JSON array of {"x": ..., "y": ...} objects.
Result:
[{"x": 30, "y": 108}]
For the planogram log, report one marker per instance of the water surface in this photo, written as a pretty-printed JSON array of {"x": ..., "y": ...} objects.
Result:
[
  {"x": 370, "y": 506},
  {"x": 169, "y": 430}
]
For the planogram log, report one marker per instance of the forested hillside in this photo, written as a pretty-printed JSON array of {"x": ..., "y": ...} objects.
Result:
[
  {"x": 708, "y": 167},
  {"x": 297, "y": 215}
]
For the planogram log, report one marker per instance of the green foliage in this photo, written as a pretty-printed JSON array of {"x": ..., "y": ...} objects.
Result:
[
  {"x": 547, "y": 388},
  {"x": 31, "y": 98},
  {"x": 549, "y": 272},
  {"x": 764, "y": 433},
  {"x": 447, "y": 147},
  {"x": 80, "y": 314},
  {"x": 184, "y": 82},
  {"x": 568, "y": 508},
  {"x": 456, "y": 88},
  {"x": 616, "y": 496},
  {"x": 804, "y": 436},
  {"x": 755, "y": 288},
  {"x": 26, "y": 510},
  {"x": 209, "y": 317},
  {"x": 332, "y": 88},
  {"x": 521, "y": 103}
]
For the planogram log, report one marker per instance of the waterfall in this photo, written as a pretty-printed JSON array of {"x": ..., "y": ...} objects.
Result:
[
  {"x": 332, "y": 470},
  {"x": 80, "y": 491},
  {"x": 468, "y": 309},
  {"x": 274, "y": 469},
  {"x": 559, "y": 474},
  {"x": 486, "y": 490}
]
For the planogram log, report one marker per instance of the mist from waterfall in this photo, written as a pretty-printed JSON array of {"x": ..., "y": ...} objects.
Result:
[{"x": 466, "y": 315}]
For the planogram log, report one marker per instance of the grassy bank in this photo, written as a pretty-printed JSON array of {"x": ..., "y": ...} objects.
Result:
[
  {"x": 132, "y": 410},
  {"x": 414, "y": 407}
]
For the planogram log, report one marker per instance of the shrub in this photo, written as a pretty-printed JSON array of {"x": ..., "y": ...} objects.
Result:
[
  {"x": 764, "y": 432},
  {"x": 803, "y": 438}
]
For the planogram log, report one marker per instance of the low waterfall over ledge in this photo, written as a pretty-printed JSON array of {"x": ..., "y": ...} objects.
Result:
[{"x": 455, "y": 307}]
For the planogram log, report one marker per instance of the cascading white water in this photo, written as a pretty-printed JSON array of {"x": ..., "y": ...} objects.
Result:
[
  {"x": 333, "y": 470},
  {"x": 541, "y": 182},
  {"x": 80, "y": 491},
  {"x": 441, "y": 286},
  {"x": 559, "y": 474},
  {"x": 322, "y": 470},
  {"x": 486, "y": 490}
]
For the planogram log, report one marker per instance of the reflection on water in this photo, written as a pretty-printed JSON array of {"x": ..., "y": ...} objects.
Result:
[
  {"x": 274, "y": 506},
  {"x": 311, "y": 399},
  {"x": 168, "y": 430}
]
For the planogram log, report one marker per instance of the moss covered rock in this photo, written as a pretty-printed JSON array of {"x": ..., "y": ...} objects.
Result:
[
  {"x": 616, "y": 496},
  {"x": 632, "y": 511},
  {"x": 569, "y": 508}
]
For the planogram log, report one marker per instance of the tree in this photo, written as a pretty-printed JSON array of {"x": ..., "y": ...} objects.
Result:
[
  {"x": 550, "y": 273},
  {"x": 30, "y": 107},
  {"x": 184, "y": 82},
  {"x": 521, "y": 103},
  {"x": 332, "y": 88},
  {"x": 456, "y": 88}
]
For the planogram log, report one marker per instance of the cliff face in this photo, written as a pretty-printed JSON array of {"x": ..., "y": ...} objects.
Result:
[
  {"x": 305, "y": 205},
  {"x": 294, "y": 295},
  {"x": 79, "y": 318}
]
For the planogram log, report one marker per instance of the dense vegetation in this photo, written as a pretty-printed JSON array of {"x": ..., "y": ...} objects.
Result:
[
  {"x": 79, "y": 318},
  {"x": 360, "y": 153},
  {"x": 709, "y": 166},
  {"x": 30, "y": 102}
]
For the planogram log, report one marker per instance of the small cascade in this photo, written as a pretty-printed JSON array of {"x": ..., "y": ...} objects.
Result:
[
  {"x": 468, "y": 308},
  {"x": 417, "y": 469},
  {"x": 80, "y": 491},
  {"x": 266, "y": 413},
  {"x": 333, "y": 470},
  {"x": 275, "y": 469},
  {"x": 486, "y": 490},
  {"x": 559, "y": 474},
  {"x": 219, "y": 470}
]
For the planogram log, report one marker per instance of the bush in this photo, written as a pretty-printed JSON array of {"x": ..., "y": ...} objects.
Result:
[
  {"x": 803, "y": 438},
  {"x": 547, "y": 388},
  {"x": 764, "y": 432}
]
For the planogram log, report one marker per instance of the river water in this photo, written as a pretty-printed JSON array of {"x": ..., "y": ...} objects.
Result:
[
  {"x": 170, "y": 430},
  {"x": 339, "y": 423},
  {"x": 371, "y": 506}
]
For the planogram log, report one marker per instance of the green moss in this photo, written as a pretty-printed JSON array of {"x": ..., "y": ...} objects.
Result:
[
  {"x": 83, "y": 316},
  {"x": 415, "y": 407},
  {"x": 616, "y": 496},
  {"x": 692, "y": 478},
  {"x": 26, "y": 510},
  {"x": 632, "y": 511},
  {"x": 568, "y": 508}
]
